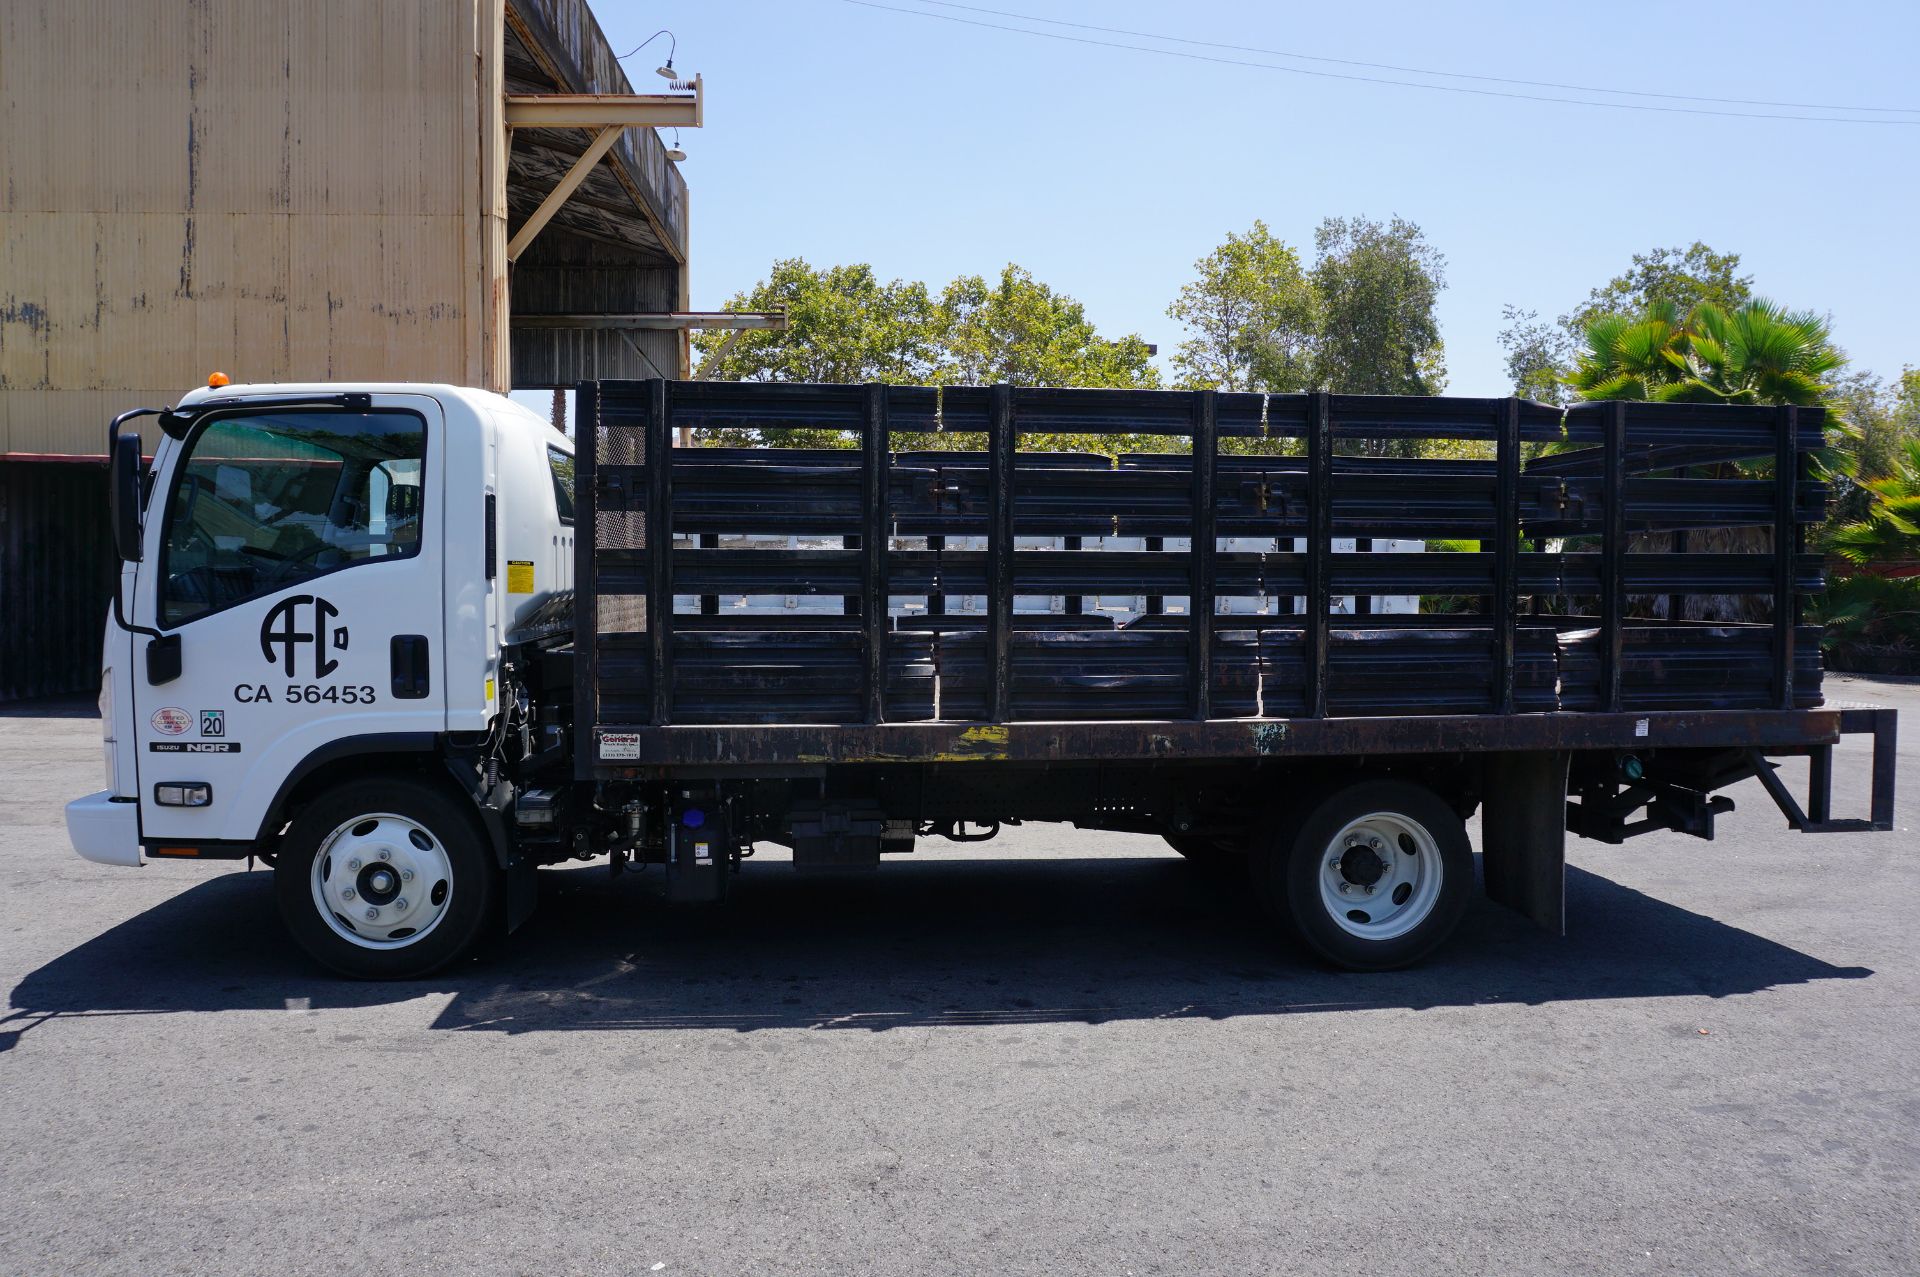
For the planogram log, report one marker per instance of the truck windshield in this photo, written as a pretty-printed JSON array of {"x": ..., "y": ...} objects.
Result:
[{"x": 264, "y": 501}]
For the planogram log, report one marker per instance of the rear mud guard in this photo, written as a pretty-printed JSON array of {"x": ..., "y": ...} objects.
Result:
[{"x": 1523, "y": 835}]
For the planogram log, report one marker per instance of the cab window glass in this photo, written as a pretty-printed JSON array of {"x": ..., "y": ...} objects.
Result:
[
  {"x": 562, "y": 466},
  {"x": 266, "y": 501}
]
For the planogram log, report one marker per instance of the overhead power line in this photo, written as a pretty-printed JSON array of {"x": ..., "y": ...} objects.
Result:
[
  {"x": 1369, "y": 79},
  {"x": 1388, "y": 66}
]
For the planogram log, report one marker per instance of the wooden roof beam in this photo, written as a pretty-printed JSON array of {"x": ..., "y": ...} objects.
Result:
[{"x": 602, "y": 143}]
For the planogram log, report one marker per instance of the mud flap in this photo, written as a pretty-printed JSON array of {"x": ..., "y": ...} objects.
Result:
[
  {"x": 1523, "y": 835},
  {"x": 522, "y": 883}
]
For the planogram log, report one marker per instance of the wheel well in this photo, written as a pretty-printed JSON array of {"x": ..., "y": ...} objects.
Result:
[
  {"x": 1456, "y": 778},
  {"x": 338, "y": 771}
]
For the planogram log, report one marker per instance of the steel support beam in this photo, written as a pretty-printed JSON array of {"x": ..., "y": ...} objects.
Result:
[
  {"x": 606, "y": 110},
  {"x": 660, "y": 319}
]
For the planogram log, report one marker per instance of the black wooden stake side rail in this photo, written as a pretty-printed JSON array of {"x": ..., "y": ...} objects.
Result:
[
  {"x": 1200, "y": 546},
  {"x": 586, "y": 595},
  {"x": 660, "y": 548},
  {"x": 1787, "y": 536},
  {"x": 1000, "y": 445},
  {"x": 873, "y": 548},
  {"x": 1319, "y": 548},
  {"x": 1506, "y": 548},
  {"x": 1613, "y": 553}
]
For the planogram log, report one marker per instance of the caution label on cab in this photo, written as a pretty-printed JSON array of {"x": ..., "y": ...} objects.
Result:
[{"x": 519, "y": 576}]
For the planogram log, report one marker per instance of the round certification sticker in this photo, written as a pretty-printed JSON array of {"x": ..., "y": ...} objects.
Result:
[{"x": 171, "y": 722}]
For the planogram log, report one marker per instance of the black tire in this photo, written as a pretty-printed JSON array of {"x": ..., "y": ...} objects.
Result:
[
  {"x": 455, "y": 843},
  {"x": 1287, "y": 874},
  {"x": 1208, "y": 853}
]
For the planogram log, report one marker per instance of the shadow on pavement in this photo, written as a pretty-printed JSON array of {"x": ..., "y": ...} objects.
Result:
[{"x": 958, "y": 943}]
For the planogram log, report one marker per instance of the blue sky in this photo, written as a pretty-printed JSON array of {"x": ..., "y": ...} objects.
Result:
[{"x": 839, "y": 132}]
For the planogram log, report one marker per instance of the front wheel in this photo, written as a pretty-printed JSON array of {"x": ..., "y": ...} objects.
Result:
[
  {"x": 1375, "y": 876},
  {"x": 386, "y": 879}
]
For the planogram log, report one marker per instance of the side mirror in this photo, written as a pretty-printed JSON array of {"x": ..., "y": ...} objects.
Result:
[{"x": 123, "y": 474}]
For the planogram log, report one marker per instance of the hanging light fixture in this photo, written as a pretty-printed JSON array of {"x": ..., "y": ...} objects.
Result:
[
  {"x": 674, "y": 152},
  {"x": 665, "y": 72}
]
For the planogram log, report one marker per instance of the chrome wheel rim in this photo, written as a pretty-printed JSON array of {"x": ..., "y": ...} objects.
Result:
[
  {"x": 382, "y": 881},
  {"x": 1380, "y": 876}
]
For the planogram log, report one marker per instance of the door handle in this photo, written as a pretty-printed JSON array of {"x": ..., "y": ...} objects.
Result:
[{"x": 411, "y": 680}]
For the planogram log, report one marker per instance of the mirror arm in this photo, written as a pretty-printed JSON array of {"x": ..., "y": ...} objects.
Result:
[
  {"x": 113, "y": 446},
  {"x": 113, "y": 430}
]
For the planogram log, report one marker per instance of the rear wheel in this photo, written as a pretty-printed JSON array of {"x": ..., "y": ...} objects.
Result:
[
  {"x": 386, "y": 879},
  {"x": 1374, "y": 877}
]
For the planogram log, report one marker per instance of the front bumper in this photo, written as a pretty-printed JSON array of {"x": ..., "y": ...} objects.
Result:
[{"x": 104, "y": 831}]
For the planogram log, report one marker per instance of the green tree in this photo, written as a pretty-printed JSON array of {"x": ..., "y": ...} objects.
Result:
[
  {"x": 1377, "y": 284},
  {"x": 1891, "y": 531},
  {"x": 1252, "y": 316},
  {"x": 1680, "y": 277},
  {"x": 1875, "y": 523},
  {"x": 1541, "y": 356},
  {"x": 843, "y": 325},
  {"x": 1020, "y": 331},
  {"x": 1882, "y": 419}
]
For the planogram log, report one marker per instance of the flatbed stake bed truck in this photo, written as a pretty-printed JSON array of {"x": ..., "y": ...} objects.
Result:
[{"x": 405, "y": 644}]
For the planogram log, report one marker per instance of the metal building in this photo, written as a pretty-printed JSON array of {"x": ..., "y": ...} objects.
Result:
[{"x": 436, "y": 190}]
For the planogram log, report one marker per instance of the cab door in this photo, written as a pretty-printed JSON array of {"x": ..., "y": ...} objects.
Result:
[{"x": 294, "y": 555}]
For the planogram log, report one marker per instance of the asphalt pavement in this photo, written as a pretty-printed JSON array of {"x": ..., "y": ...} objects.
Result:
[{"x": 1059, "y": 1053}]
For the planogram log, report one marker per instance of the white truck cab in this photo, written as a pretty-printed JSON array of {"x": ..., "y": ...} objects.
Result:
[{"x": 317, "y": 585}]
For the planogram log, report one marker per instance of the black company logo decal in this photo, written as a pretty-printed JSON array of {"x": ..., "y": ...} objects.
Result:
[
  {"x": 194, "y": 746},
  {"x": 290, "y": 626}
]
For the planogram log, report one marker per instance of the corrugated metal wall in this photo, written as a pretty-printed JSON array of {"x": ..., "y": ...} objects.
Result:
[
  {"x": 56, "y": 567},
  {"x": 278, "y": 189}
]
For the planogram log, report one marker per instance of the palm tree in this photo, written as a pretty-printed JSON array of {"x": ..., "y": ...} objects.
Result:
[
  {"x": 1891, "y": 531},
  {"x": 1761, "y": 353},
  {"x": 1630, "y": 358}
]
